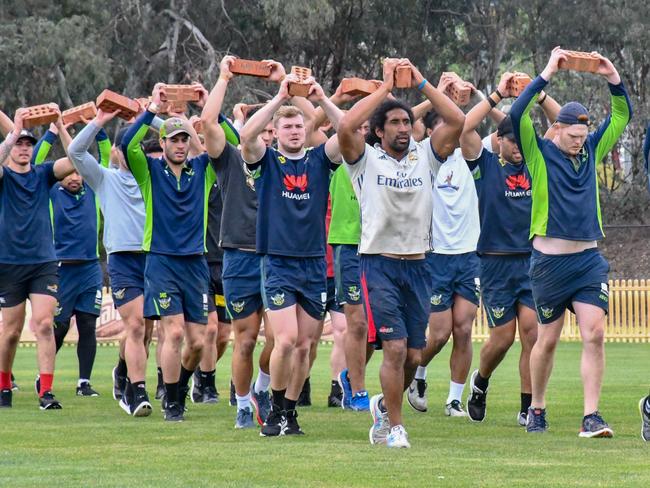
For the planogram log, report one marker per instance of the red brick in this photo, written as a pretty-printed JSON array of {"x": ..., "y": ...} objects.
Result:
[
  {"x": 41, "y": 115},
  {"x": 250, "y": 68},
  {"x": 181, "y": 93},
  {"x": 77, "y": 114},
  {"x": 580, "y": 61},
  {"x": 358, "y": 86},
  {"x": 109, "y": 101},
  {"x": 300, "y": 89},
  {"x": 458, "y": 91},
  {"x": 517, "y": 84},
  {"x": 403, "y": 77}
]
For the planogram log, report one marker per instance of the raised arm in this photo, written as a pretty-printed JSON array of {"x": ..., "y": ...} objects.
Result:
[
  {"x": 215, "y": 137},
  {"x": 11, "y": 139},
  {"x": 351, "y": 141},
  {"x": 6, "y": 124},
  {"x": 333, "y": 113},
  {"x": 44, "y": 145}
]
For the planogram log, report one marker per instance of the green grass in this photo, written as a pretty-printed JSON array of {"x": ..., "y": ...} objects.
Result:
[{"x": 91, "y": 442}]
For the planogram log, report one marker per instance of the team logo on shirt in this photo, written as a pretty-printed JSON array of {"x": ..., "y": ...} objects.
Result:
[
  {"x": 238, "y": 306},
  {"x": 354, "y": 293},
  {"x": 547, "y": 312},
  {"x": 448, "y": 183},
  {"x": 401, "y": 181},
  {"x": 119, "y": 294},
  {"x": 498, "y": 312},
  {"x": 278, "y": 299},
  {"x": 517, "y": 186},
  {"x": 282, "y": 159},
  {"x": 295, "y": 185},
  {"x": 436, "y": 299},
  {"x": 164, "y": 301}
]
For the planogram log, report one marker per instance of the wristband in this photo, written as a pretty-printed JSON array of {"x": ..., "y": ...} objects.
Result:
[
  {"x": 422, "y": 84},
  {"x": 499, "y": 93},
  {"x": 543, "y": 99},
  {"x": 491, "y": 102},
  {"x": 153, "y": 107}
]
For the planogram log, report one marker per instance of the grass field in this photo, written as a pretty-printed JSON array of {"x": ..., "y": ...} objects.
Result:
[{"x": 91, "y": 442}]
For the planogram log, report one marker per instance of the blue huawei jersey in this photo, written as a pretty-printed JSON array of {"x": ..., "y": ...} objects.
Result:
[
  {"x": 292, "y": 196},
  {"x": 504, "y": 203},
  {"x": 25, "y": 227},
  {"x": 75, "y": 221}
]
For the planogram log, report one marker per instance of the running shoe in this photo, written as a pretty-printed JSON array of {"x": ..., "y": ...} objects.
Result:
[
  {"x": 160, "y": 391},
  {"x": 455, "y": 409},
  {"x": 262, "y": 403},
  {"x": 346, "y": 388},
  {"x": 335, "y": 397},
  {"x": 360, "y": 402},
  {"x": 645, "y": 418},
  {"x": 14, "y": 385},
  {"x": 244, "y": 419},
  {"x": 196, "y": 394},
  {"x": 380, "y": 424},
  {"x": 398, "y": 438},
  {"x": 119, "y": 383},
  {"x": 417, "y": 395},
  {"x": 48, "y": 402},
  {"x": 210, "y": 395},
  {"x": 476, "y": 402},
  {"x": 183, "y": 393},
  {"x": 140, "y": 406},
  {"x": 84, "y": 389},
  {"x": 292, "y": 423},
  {"x": 37, "y": 384},
  {"x": 536, "y": 422},
  {"x": 174, "y": 412},
  {"x": 593, "y": 425},
  {"x": 5, "y": 398},
  {"x": 522, "y": 418},
  {"x": 275, "y": 424}
]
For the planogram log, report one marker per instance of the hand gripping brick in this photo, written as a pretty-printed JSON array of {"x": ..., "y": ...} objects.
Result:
[{"x": 109, "y": 101}]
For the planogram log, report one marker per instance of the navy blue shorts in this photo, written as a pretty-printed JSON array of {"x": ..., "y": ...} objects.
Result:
[
  {"x": 289, "y": 280},
  {"x": 558, "y": 280},
  {"x": 126, "y": 273},
  {"x": 396, "y": 294},
  {"x": 504, "y": 285},
  {"x": 80, "y": 290},
  {"x": 347, "y": 274},
  {"x": 18, "y": 281},
  {"x": 242, "y": 282},
  {"x": 176, "y": 285},
  {"x": 453, "y": 274},
  {"x": 332, "y": 303},
  {"x": 217, "y": 301}
]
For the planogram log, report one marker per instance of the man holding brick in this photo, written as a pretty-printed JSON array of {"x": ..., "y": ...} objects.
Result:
[
  {"x": 567, "y": 270},
  {"x": 393, "y": 182},
  {"x": 176, "y": 273},
  {"x": 291, "y": 183},
  {"x": 28, "y": 260}
]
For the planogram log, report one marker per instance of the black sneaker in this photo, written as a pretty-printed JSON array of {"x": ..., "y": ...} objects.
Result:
[
  {"x": 182, "y": 396},
  {"x": 196, "y": 392},
  {"x": 140, "y": 406},
  {"x": 476, "y": 403},
  {"x": 5, "y": 398},
  {"x": 536, "y": 422},
  {"x": 119, "y": 383},
  {"x": 275, "y": 424},
  {"x": 593, "y": 425},
  {"x": 48, "y": 402},
  {"x": 86, "y": 390},
  {"x": 210, "y": 395},
  {"x": 335, "y": 400},
  {"x": 233, "y": 400},
  {"x": 292, "y": 424},
  {"x": 160, "y": 391},
  {"x": 37, "y": 384},
  {"x": 173, "y": 412},
  {"x": 304, "y": 400},
  {"x": 14, "y": 385}
]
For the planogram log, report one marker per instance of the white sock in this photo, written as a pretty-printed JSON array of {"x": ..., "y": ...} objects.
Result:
[
  {"x": 243, "y": 402},
  {"x": 455, "y": 391},
  {"x": 262, "y": 382},
  {"x": 421, "y": 373},
  {"x": 82, "y": 381}
]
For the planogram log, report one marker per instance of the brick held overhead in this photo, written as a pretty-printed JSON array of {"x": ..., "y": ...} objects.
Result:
[
  {"x": 45, "y": 114},
  {"x": 109, "y": 101},
  {"x": 247, "y": 67},
  {"x": 580, "y": 61},
  {"x": 76, "y": 114}
]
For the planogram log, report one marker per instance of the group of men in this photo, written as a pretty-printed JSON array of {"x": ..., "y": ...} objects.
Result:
[{"x": 395, "y": 220}]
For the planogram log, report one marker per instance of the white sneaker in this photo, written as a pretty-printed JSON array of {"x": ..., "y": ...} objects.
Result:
[
  {"x": 455, "y": 409},
  {"x": 417, "y": 395},
  {"x": 380, "y": 425},
  {"x": 398, "y": 437},
  {"x": 522, "y": 418}
]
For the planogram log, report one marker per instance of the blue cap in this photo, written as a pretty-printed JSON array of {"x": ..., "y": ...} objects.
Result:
[{"x": 573, "y": 113}]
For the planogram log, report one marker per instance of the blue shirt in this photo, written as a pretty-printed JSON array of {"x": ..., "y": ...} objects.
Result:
[
  {"x": 292, "y": 198},
  {"x": 25, "y": 227},
  {"x": 504, "y": 203},
  {"x": 75, "y": 219},
  {"x": 176, "y": 212}
]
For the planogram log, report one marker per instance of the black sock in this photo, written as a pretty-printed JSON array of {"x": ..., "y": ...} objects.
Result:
[
  {"x": 526, "y": 399},
  {"x": 481, "y": 383},
  {"x": 278, "y": 398},
  {"x": 121, "y": 368},
  {"x": 60, "y": 331},
  {"x": 289, "y": 404},
  {"x": 184, "y": 379},
  {"x": 306, "y": 386},
  {"x": 87, "y": 344},
  {"x": 207, "y": 378},
  {"x": 171, "y": 392},
  {"x": 160, "y": 378}
]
